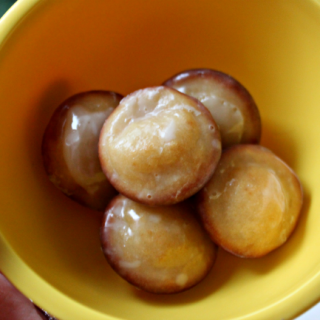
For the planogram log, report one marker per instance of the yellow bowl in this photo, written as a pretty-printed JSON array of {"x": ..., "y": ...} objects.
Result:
[{"x": 49, "y": 245}]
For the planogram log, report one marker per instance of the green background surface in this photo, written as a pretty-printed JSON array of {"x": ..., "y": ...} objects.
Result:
[{"x": 5, "y": 5}]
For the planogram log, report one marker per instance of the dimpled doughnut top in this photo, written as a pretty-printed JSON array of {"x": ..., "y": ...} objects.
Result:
[{"x": 159, "y": 146}]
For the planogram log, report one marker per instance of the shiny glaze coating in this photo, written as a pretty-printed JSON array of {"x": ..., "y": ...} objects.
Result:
[
  {"x": 70, "y": 147},
  {"x": 160, "y": 146},
  {"x": 230, "y": 104},
  {"x": 157, "y": 249},
  {"x": 252, "y": 202}
]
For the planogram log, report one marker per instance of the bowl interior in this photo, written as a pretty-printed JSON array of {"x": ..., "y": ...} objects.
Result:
[{"x": 50, "y": 245}]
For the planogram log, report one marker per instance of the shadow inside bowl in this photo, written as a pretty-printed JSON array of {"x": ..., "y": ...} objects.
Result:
[{"x": 279, "y": 141}]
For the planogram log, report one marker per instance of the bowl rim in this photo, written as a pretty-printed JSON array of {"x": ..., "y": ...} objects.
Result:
[
  {"x": 12, "y": 266},
  {"x": 11, "y": 18},
  {"x": 56, "y": 302}
]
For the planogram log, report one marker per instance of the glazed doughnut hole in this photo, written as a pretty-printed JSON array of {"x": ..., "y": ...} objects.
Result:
[
  {"x": 157, "y": 249},
  {"x": 159, "y": 146},
  {"x": 252, "y": 202},
  {"x": 230, "y": 104},
  {"x": 70, "y": 147}
]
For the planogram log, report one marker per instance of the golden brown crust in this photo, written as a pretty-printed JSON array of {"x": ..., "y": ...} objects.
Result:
[
  {"x": 252, "y": 203},
  {"x": 172, "y": 254},
  {"x": 166, "y": 155},
  {"x": 54, "y": 160},
  {"x": 252, "y": 123}
]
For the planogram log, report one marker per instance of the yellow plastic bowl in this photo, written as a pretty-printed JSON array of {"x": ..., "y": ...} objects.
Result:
[{"x": 51, "y": 49}]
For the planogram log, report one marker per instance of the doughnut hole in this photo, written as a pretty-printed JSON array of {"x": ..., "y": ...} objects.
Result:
[
  {"x": 160, "y": 146},
  {"x": 229, "y": 102},
  {"x": 252, "y": 202},
  {"x": 70, "y": 148},
  {"x": 157, "y": 249}
]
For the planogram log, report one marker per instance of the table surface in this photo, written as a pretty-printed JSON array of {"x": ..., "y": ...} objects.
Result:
[{"x": 312, "y": 314}]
